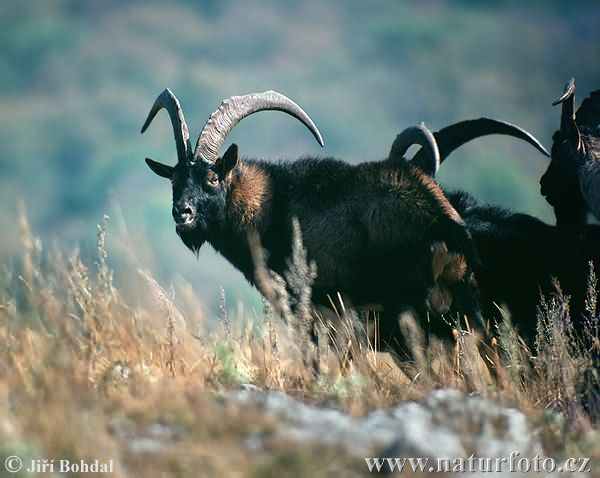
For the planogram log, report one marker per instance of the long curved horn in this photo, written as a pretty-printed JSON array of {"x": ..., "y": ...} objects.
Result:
[
  {"x": 457, "y": 134},
  {"x": 568, "y": 126},
  {"x": 235, "y": 109},
  {"x": 168, "y": 101},
  {"x": 429, "y": 157}
]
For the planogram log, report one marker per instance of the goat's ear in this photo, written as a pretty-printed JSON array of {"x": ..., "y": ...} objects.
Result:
[
  {"x": 162, "y": 170},
  {"x": 228, "y": 161}
]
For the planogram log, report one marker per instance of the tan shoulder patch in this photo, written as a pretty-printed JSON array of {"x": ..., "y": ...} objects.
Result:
[{"x": 249, "y": 189}]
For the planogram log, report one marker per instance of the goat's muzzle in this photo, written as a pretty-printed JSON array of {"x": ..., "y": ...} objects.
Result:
[{"x": 184, "y": 214}]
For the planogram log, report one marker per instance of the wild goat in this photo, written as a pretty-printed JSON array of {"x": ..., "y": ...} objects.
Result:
[
  {"x": 379, "y": 232},
  {"x": 520, "y": 255},
  {"x": 571, "y": 184}
]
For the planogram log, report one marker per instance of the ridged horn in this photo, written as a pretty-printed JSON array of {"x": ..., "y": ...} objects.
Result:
[
  {"x": 453, "y": 136},
  {"x": 169, "y": 101},
  {"x": 428, "y": 157},
  {"x": 235, "y": 109}
]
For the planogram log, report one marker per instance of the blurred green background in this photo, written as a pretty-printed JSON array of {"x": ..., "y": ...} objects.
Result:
[{"x": 77, "y": 79}]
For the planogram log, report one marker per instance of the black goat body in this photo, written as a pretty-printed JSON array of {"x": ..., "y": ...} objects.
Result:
[
  {"x": 521, "y": 256},
  {"x": 379, "y": 232},
  {"x": 370, "y": 228}
]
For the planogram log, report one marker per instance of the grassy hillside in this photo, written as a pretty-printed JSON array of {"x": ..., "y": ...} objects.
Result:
[{"x": 87, "y": 375}]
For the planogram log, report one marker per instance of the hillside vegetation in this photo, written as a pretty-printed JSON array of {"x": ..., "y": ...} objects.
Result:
[
  {"x": 85, "y": 375},
  {"x": 78, "y": 78}
]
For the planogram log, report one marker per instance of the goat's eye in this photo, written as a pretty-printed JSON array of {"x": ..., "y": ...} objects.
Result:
[{"x": 213, "y": 179}]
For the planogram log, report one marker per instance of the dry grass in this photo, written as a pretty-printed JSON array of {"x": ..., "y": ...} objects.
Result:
[{"x": 86, "y": 375}]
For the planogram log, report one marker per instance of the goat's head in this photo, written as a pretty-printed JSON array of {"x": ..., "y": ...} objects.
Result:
[
  {"x": 200, "y": 176},
  {"x": 560, "y": 183}
]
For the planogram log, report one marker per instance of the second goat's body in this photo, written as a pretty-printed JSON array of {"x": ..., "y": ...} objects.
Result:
[{"x": 521, "y": 256}]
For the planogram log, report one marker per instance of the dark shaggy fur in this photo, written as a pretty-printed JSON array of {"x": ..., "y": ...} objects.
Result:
[
  {"x": 379, "y": 232},
  {"x": 520, "y": 256}
]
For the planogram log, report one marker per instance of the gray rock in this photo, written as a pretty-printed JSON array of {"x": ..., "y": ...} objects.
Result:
[{"x": 447, "y": 424}]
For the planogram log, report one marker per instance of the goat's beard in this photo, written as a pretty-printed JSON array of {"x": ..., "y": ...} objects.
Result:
[{"x": 193, "y": 238}]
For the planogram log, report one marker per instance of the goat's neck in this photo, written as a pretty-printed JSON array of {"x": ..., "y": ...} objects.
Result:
[{"x": 247, "y": 212}]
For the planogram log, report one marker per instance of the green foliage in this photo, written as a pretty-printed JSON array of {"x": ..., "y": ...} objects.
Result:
[{"x": 229, "y": 372}]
